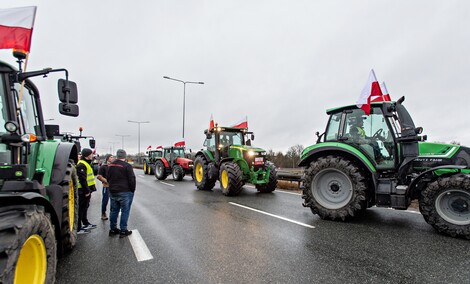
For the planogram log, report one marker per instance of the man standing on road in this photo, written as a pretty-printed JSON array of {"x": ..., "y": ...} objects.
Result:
[
  {"x": 102, "y": 174},
  {"x": 86, "y": 185},
  {"x": 121, "y": 180}
]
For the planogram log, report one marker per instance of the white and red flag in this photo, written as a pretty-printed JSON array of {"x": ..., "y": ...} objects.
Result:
[
  {"x": 211, "y": 123},
  {"x": 159, "y": 147},
  {"x": 370, "y": 93},
  {"x": 242, "y": 123},
  {"x": 16, "y": 28},
  {"x": 386, "y": 95},
  {"x": 149, "y": 147},
  {"x": 180, "y": 144}
]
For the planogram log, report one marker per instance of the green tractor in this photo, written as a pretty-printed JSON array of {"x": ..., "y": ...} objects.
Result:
[
  {"x": 231, "y": 159},
  {"x": 386, "y": 164},
  {"x": 38, "y": 183},
  {"x": 150, "y": 159}
]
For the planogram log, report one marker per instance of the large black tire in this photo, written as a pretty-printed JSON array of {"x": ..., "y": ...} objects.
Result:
[
  {"x": 177, "y": 173},
  {"x": 151, "y": 169},
  {"x": 27, "y": 245},
  {"x": 160, "y": 171},
  {"x": 203, "y": 178},
  {"x": 69, "y": 208},
  {"x": 334, "y": 188},
  {"x": 272, "y": 182},
  {"x": 230, "y": 179},
  {"x": 445, "y": 205}
]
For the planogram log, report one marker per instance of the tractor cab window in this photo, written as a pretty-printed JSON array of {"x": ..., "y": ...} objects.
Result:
[
  {"x": 5, "y": 154},
  {"x": 371, "y": 134},
  {"x": 28, "y": 116},
  {"x": 333, "y": 127},
  {"x": 210, "y": 143},
  {"x": 178, "y": 152},
  {"x": 231, "y": 138}
]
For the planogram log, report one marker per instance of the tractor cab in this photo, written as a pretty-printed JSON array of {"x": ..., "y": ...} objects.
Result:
[{"x": 221, "y": 140}]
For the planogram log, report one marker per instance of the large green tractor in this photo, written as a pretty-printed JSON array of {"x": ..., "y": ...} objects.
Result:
[
  {"x": 38, "y": 190},
  {"x": 230, "y": 158},
  {"x": 380, "y": 159},
  {"x": 149, "y": 161}
]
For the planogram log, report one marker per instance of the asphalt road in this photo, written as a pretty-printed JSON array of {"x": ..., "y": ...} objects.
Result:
[{"x": 183, "y": 235}]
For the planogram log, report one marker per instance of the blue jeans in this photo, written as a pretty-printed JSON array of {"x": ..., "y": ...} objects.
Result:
[
  {"x": 120, "y": 201},
  {"x": 104, "y": 200}
]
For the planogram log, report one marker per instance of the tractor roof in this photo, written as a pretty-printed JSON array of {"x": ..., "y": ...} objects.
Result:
[
  {"x": 230, "y": 129},
  {"x": 340, "y": 109}
]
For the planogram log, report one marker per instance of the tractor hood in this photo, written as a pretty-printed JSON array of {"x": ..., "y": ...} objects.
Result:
[
  {"x": 439, "y": 154},
  {"x": 247, "y": 148}
]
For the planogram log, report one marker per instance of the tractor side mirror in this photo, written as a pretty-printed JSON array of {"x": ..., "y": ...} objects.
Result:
[
  {"x": 68, "y": 95},
  {"x": 208, "y": 135},
  {"x": 92, "y": 143},
  {"x": 252, "y": 136},
  {"x": 248, "y": 142}
]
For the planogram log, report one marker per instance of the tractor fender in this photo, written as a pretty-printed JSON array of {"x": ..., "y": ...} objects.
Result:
[
  {"x": 64, "y": 152},
  {"x": 205, "y": 154},
  {"x": 338, "y": 149},
  {"x": 10, "y": 199},
  {"x": 431, "y": 173},
  {"x": 183, "y": 161},
  {"x": 164, "y": 161}
]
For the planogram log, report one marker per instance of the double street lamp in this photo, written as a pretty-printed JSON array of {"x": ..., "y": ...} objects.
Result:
[
  {"x": 122, "y": 136},
  {"x": 184, "y": 92},
  {"x": 138, "y": 136}
]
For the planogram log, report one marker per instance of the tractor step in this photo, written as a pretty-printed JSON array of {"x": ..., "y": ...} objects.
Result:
[{"x": 389, "y": 194}]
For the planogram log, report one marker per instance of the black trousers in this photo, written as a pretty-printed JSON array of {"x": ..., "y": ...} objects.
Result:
[{"x": 83, "y": 204}]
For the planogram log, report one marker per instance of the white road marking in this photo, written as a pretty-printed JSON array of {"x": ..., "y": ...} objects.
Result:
[
  {"x": 141, "y": 250},
  {"x": 167, "y": 183},
  {"x": 272, "y": 215},
  {"x": 277, "y": 190},
  {"x": 142, "y": 176}
]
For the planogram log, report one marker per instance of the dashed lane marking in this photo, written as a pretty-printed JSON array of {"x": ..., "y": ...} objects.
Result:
[
  {"x": 167, "y": 183},
  {"x": 141, "y": 250},
  {"x": 277, "y": 190},
  {"x": 272, "y": 215}
]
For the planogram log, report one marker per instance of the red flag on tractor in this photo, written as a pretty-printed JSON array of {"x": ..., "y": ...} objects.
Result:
[
  {"x": 370, "y": 93},
  {"x": 180, "y": 144},
  {"x": 16, "y": 28},
  {"x": 386, "y": 96},
  {"x": 242, "y": 124},
  {"x": 211, "y": 123}
]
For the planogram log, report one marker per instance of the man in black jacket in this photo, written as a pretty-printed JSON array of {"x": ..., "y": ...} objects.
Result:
[
  {"x": 86, "y": 185},
  {"x": 121, "y": 180}
]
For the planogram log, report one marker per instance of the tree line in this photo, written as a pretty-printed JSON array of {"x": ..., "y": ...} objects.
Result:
[{"x": 288, "y": 160}]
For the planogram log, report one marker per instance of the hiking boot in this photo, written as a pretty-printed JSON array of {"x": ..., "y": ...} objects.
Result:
[
  {"x": 124, "y": 233},
  {"x": 114, "y": 232},
  {"x": 104, "y": 217}
]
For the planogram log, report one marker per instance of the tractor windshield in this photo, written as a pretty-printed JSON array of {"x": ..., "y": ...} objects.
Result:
[
  {"x": 28, "y": 116},
  {"x": 231, "y": 138}
]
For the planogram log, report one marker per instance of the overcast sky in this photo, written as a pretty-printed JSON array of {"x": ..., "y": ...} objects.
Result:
[{"x": 281, "y": 63}]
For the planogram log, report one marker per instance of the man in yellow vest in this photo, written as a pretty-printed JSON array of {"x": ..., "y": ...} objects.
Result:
[{"x": 86, "y": 185}]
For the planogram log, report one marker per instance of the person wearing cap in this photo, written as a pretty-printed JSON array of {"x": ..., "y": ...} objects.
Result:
[
  {"x": 122, "y": 184},
  {"x": 102, "y": 174},
  {"x": 86, "y": 185}
]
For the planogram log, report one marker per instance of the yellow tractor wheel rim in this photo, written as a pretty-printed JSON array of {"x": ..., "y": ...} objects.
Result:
[
  {"x": 32, "y": 263},
  {"x": 199, "y": 172},
  {"x": 224, "y": 179},
  {"x": 71, "y": 205},
  {"x": 145, "y": 168}
]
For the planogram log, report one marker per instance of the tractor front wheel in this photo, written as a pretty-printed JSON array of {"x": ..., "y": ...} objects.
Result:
[
  {"x": 334, "y": 188},
  {"x": 27, "y": 245},
  {"x": 230, "y": 179},
  {"x": 202, "y": 175},
  {"x": 160, "y": 171},
  {"x": 145, "y": 168},
  {"x": 445, "y": 205},
  {"x": 272, "y": 182},
  {"x": 177, "y": 173},
  {"x": 69, "y": 208}
]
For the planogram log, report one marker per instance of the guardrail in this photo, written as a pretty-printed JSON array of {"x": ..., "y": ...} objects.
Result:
[{"x": 294, "y": 175}]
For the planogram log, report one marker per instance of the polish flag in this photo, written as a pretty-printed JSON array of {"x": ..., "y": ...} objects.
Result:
[
  {"x": 386, "y": 96},
  {"x": 159, "y": 147},
  {"x": 242, "y": 124},
  {"x": 211, "y": 123},
  {"x": 370, "y": 93},
  {"x": 180, "y": 144},
  {"x": 149, "y": 147},
  {"x": 16, "y": 28}
]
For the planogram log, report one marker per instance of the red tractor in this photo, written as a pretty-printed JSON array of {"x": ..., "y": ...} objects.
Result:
[{"x": 173, "y": 162}]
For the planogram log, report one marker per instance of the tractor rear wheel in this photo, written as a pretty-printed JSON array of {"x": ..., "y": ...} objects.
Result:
[
  {"x": 334, "y": 188},
  {"x": 69, "y": 208},
  {"x": 177, "y": 173},
  {"x": 160, "y": 171},
  {"x": 445, "y": 205},
  {"x": 202, "y": 176},
  {"x": 230, "y": 179},
  {"x": 272, "y": 182},
  {"x": 27, "y": 245}
]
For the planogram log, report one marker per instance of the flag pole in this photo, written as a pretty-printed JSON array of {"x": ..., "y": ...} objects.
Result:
[{"x": 20, "y": 96}]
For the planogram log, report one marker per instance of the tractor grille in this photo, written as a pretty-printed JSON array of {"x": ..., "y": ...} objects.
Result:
[{"x": 257, "y": 160}]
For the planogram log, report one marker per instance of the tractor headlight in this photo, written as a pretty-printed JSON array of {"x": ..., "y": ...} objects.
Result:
[
  {"x": 11, "y": 126},
  {"x": 251, "y": 153}
]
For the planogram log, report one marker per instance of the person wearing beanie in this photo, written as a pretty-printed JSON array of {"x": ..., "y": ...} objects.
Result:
[
  {"x": 122, "y": 183},
  {"x": 86, "y": 185},
  {"x": 102, "y": 174}
]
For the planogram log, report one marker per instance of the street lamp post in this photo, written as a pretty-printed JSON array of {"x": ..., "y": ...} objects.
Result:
[
  {"x": 122, "y": 136},
  {"x": 184, "y": 93},
  {"x": 138, "y": 136},
  {"x": 112, "y": 147}
]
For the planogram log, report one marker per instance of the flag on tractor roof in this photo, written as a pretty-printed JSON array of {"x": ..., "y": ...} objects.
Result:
[
  {"x": 180, "y": 144},
  {"x": 370, "y": 93},
  {"x": 159, "y": 147},
  {"x": 242, "y": 123},
  {"x": 211, "y": 123},
  {"x": 16, "y": 28},
  {"x": 386, "y": 95}
]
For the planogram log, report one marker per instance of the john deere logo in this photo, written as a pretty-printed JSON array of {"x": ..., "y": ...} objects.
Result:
[{"x": 18, "y": 173}]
